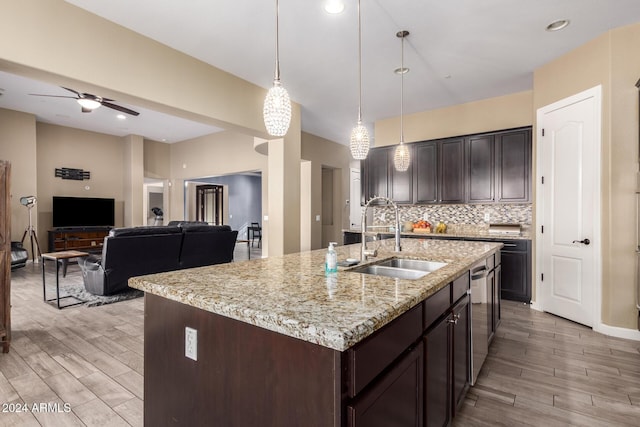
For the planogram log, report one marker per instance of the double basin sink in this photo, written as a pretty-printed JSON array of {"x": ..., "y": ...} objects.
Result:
[{"x": 400, "y": 268}]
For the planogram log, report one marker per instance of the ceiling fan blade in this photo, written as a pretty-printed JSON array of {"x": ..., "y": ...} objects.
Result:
[
  {"x": 74, "y": 91},
  {"x": 53, "y": 96},
  {"x": 120, "y": 108}
]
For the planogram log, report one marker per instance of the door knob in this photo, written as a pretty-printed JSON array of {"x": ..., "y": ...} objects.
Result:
[{"x": 585, "y": 241}]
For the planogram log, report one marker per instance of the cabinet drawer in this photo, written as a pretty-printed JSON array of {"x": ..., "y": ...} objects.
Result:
[
  {"x": 514, "y": 245},
  {"x": 436, "y": 305},
  {"x": 459, "y": 287},
  {"x": 370, "y": 357}
]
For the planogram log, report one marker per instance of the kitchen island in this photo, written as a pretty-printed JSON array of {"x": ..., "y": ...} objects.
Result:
[{"x": 279, "y": 342}]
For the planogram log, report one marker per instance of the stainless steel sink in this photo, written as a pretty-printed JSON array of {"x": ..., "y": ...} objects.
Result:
[
  {"x": 400, "y": 268},
  {"x": 413, "y": 264}
]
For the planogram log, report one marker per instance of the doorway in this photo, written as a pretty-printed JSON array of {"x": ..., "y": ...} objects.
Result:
[
  {"x": 209, "y": 204},
  {"x": 569, "y": 264}
]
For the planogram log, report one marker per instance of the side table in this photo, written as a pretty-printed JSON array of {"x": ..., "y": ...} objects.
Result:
[{"x": 59, "y": 257}]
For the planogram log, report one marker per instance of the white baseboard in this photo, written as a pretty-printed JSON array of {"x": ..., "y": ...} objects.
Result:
[{"x": 613, "y": 331}]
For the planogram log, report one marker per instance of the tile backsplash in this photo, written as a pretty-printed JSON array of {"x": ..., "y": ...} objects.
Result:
[{"x": 458, "y": 216}]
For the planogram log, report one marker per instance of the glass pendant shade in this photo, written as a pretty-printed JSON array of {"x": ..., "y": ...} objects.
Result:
[
  {"x": 359, "y": 143},
  {"x": 277, "y": 110},
  {"x": 401, "y": 158}
]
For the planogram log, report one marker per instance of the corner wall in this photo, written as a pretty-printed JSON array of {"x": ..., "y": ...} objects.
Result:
[{"x": 18, "y": 145}]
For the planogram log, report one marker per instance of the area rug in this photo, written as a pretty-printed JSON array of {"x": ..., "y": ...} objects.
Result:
[{"x": 78, "y": 291}]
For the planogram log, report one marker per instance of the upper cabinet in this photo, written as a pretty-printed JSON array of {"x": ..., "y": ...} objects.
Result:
[
  {"x": 485, "y": 168},
  {"x": 452, "y": 170},
  {"x": 513, "y": 166}
]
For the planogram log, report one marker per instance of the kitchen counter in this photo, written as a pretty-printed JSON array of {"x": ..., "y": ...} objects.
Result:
[
  {"x": 463, "y": 234},
  {"x": 291, "y": 294}
]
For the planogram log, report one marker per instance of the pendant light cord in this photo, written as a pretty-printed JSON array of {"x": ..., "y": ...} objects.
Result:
[
  {"x": 277, "y": 72},
  {"x": 402, "y": 71},
  {"x": 359, "y": 66}
]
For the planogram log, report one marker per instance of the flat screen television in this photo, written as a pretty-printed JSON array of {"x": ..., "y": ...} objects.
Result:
[{"x": 83, "y": 212}]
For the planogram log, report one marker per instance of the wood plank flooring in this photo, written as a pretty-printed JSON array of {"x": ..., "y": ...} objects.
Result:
[{"x": 541, "y": 371}]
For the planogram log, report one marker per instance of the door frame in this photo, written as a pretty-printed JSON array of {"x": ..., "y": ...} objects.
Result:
[{"x": 596, "y": 94}]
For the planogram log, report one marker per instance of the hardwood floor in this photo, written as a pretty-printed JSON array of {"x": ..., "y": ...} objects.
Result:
[{"x": 541, "y": 371}]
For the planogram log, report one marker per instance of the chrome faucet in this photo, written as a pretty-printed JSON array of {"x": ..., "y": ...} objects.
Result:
[{"x": 364, "y": 252}]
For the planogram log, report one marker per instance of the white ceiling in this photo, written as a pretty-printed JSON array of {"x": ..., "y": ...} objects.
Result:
[{"x": 458, "y": 51}]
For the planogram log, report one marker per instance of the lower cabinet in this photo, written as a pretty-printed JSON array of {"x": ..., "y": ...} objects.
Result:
[
  {"x": 516, "y": 270},
  {"x": 395, "y": 399},
  {"x": 447, "y": 355}
]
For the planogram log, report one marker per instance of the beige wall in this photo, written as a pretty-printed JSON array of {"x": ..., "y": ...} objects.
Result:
[
  {"x": 18, "y": 145},
  {"x": 157, "y": 159},
  {"x": 611, "y": 61},
  {"x": 100, "y": 154},
  {"x": 503, "y": 112},
  {"x": 324, "y": 153}
]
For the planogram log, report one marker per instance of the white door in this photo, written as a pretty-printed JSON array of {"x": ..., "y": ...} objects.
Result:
[
  {"x": 568, "y": 206},
  {"x": 355, "y": 210}
]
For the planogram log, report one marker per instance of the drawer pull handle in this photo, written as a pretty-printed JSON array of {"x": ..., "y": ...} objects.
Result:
[{"x": 455, "y": 319}]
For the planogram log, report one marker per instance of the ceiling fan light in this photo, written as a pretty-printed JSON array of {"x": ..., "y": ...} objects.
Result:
[
  {"x": 277, "y": 110},
  {"x": 359, "y": 142},
  {"x": 89, "y": 104},
  {"x": 402, "y": 158}
]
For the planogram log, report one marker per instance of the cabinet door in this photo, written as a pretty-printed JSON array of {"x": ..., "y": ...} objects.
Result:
[
  {"x": 513, "y": 166},
  {"x": 377, "y": 173},
  {"x": 516, "y": 284},
  {"x": 394, "y": 400},
  {"x": 452, "y": 171},
  {"x": 461, "y": 330},
  {"x": 480, "y": 168},
  {"x": 437, "y": 378},
  {"x": 426, "y": 172},
  {"x": 401, "y": 183}
]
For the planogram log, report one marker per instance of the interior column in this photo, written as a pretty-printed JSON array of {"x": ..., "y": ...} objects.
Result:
[{"x": 133, "y": 180}]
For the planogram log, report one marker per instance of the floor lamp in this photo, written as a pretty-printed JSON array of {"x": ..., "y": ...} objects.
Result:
[{"x": 30, "y": 202}]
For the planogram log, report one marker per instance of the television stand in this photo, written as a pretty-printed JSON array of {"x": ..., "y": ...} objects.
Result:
[{"x": 88, "y": 239}]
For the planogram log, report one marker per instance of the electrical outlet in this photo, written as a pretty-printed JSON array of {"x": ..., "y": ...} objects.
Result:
[
  {"x": 425, "y": 216},
  {"x": 487, "y": 216},
  {"x": 191, "y": 343}
]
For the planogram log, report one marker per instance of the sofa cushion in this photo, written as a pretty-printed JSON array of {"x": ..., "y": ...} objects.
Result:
[{"x": 143, "y": 231}]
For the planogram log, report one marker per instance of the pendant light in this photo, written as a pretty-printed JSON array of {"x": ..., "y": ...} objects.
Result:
[
  {"x": 402, "y": 157},
  {"x": 277, "y": 105},
  {"x": 359, "y": 142}
]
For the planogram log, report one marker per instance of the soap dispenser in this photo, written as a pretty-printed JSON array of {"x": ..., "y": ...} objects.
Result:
[{"x": 331, "y": 259}]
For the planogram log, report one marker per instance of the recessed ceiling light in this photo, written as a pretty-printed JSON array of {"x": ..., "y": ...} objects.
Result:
[
  {"x": 121, "y": 117},
  {"x": 334, "y": 6},
  {"x": 403, "y": 70},
  {"x": 558, "y": 25}
]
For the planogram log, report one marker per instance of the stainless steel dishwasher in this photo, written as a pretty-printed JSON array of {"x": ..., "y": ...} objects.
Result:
[{"x": 480, "y": 318}]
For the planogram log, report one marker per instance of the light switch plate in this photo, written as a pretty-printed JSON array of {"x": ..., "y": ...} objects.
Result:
[{"x": 191, "y": 343}]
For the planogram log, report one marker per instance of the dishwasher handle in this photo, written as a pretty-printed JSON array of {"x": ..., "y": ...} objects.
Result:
[{"x": 479, "y": 272}]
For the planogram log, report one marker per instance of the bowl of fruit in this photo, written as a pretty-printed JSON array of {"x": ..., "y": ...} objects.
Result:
[{"x": 422, "y": 226}]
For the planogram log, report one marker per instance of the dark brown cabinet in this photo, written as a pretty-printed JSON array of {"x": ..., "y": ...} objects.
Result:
[
  {"x": 516, "y": 270},
  {"x": 376, "y": 173},
  {"x": 401, "y": 183},
  {"x": 480, "y": 168},
  {"x": 484, "y": 168},
  {"x": 513, "y": 166},
  {"x": 88, "y": 239},
  {"x": 447, "y": 354},
  {"x": 426, "y": 172},
  {"x": 452, "y": 171},
  {"x": 394, "y": 400}
]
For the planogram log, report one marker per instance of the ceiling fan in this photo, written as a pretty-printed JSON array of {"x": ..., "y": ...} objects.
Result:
[{"x": 90, "y": 102}]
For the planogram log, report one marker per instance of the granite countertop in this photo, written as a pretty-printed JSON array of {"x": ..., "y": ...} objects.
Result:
[
  {"x": 463, "y": 234},
  {"x": 291, "y": 294}
]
